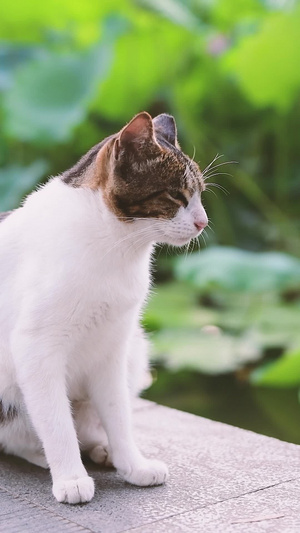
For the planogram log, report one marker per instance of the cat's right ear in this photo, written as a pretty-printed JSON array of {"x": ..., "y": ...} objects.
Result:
[
  {"x": 138, "y": 132},
  {"x": 165, "y": 125}
]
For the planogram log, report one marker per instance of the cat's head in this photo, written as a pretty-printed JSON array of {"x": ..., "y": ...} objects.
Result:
[{"x": 148, "y": 181}]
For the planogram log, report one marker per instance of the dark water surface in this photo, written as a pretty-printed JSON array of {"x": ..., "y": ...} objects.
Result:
[{"x": 227, "y": 398}]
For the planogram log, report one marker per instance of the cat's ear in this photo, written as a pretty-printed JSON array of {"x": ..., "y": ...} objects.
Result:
[
  {"x": 165, "y": 125},
  {"x": 138, "y": 132}
]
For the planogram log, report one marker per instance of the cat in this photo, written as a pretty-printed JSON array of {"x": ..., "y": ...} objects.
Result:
[{"x": 75, "y": 273}]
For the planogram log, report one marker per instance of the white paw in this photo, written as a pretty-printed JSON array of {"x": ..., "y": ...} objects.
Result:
[
  {"x": 146, "y": 473},
  {"x": 74, "y": 490},
  {"x": 100, "y": 455}
]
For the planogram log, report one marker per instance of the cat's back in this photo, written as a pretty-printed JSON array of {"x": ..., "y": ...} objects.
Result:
[
  {"x": 21, "y": 228},
  {"x": 10, "y": 232},
  {"x": 47, "y": 224},
  {"x": 10, "y": 258}
]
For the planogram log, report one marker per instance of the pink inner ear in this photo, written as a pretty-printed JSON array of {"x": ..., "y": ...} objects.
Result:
[{"x": 140, "y": 128}]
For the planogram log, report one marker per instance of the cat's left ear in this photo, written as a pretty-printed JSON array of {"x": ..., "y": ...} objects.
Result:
[
  {"x": 165, "y": 125},
  {"x": 138, "y": 132}
]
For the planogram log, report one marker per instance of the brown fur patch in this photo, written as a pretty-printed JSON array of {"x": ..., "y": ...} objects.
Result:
[{"x": 80, "y": 175}]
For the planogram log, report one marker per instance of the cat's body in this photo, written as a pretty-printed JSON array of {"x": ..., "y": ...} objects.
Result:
[
  {"x": 74, "y": 271},
  {"x": 83, "y": 312}
]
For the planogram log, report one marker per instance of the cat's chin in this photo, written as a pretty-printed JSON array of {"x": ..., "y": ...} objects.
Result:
[{"x": 177, "y": 241}]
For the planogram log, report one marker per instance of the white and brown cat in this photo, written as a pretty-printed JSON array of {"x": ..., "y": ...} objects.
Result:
[{"x": 74, "y": 274}]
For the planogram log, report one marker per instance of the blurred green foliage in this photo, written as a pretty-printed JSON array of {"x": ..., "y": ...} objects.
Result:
[
  {"x": 229, "y": 308},
  {"x": 74, "y": 72},
  {"x": 232, "y": 269},
  {"x": 283, "y": 373}
]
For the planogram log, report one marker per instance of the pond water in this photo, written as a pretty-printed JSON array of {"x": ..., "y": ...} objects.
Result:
[{"x": 230, "y": 399}]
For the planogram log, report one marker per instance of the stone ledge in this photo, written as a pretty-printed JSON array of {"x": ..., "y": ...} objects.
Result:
[{"x": 221, "y": 479}]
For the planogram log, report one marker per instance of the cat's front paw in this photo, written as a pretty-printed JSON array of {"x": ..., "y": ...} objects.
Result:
[
  {"x": 74, "y": 490},
  {"x": 146, "y": 473}
]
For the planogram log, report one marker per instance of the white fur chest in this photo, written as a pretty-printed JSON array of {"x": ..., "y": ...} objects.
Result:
[
  {"x": 104, "y": 271},
  {"x": 119, "y": 289}
]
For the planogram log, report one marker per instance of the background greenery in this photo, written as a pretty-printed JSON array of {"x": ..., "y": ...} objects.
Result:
[{"x": 224, "y": 321}]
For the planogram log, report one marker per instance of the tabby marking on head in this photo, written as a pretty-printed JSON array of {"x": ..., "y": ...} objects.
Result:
[{"x": 142, "y": 171}]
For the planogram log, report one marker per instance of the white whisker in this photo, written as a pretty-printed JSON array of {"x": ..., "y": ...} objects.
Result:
[
  {"x": 194, "y": 153},
  {"x": 205, "y": 171},
  {"x": 203, "y": 235},
  {"x": 211, "y": 163},
  {"x": 217, "y": 174},
  {"x": 209, "y": 190},
  {"x": 218, "y": 186}
]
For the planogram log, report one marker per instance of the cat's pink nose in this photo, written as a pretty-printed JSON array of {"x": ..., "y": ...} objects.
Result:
[{"x": 200, "y": 224}]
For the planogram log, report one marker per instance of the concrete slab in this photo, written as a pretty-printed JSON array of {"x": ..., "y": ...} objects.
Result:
[
  {"x": 276, "y": 509},
  {"x": 221, "y": 479}
]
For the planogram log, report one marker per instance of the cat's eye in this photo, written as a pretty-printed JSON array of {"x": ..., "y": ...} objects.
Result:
[{"x": 180, "y": 197}]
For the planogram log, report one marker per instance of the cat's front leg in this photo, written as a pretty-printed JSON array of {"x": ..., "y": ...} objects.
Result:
[
  {"x": 41, "y": 377},
  {"x": 110, "y": 395}
]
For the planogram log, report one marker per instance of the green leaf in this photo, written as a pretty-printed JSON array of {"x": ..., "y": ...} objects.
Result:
[
  {"x": 16, "y": 181},
  {"x": 141, "y": 72},
  {"x": 51, "y": 94},
  {"x": 29, "y": 21},
  {"x": 266, "y": 64},
  {"x": 228, "y": 13},
  {"x": 238, "y": 270},
  {"x": 174, "y": 305},
  {"x": 174, "y": 10},
  {"x": 283, "y": 373},
  {"x": 208, "y": 350}
]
